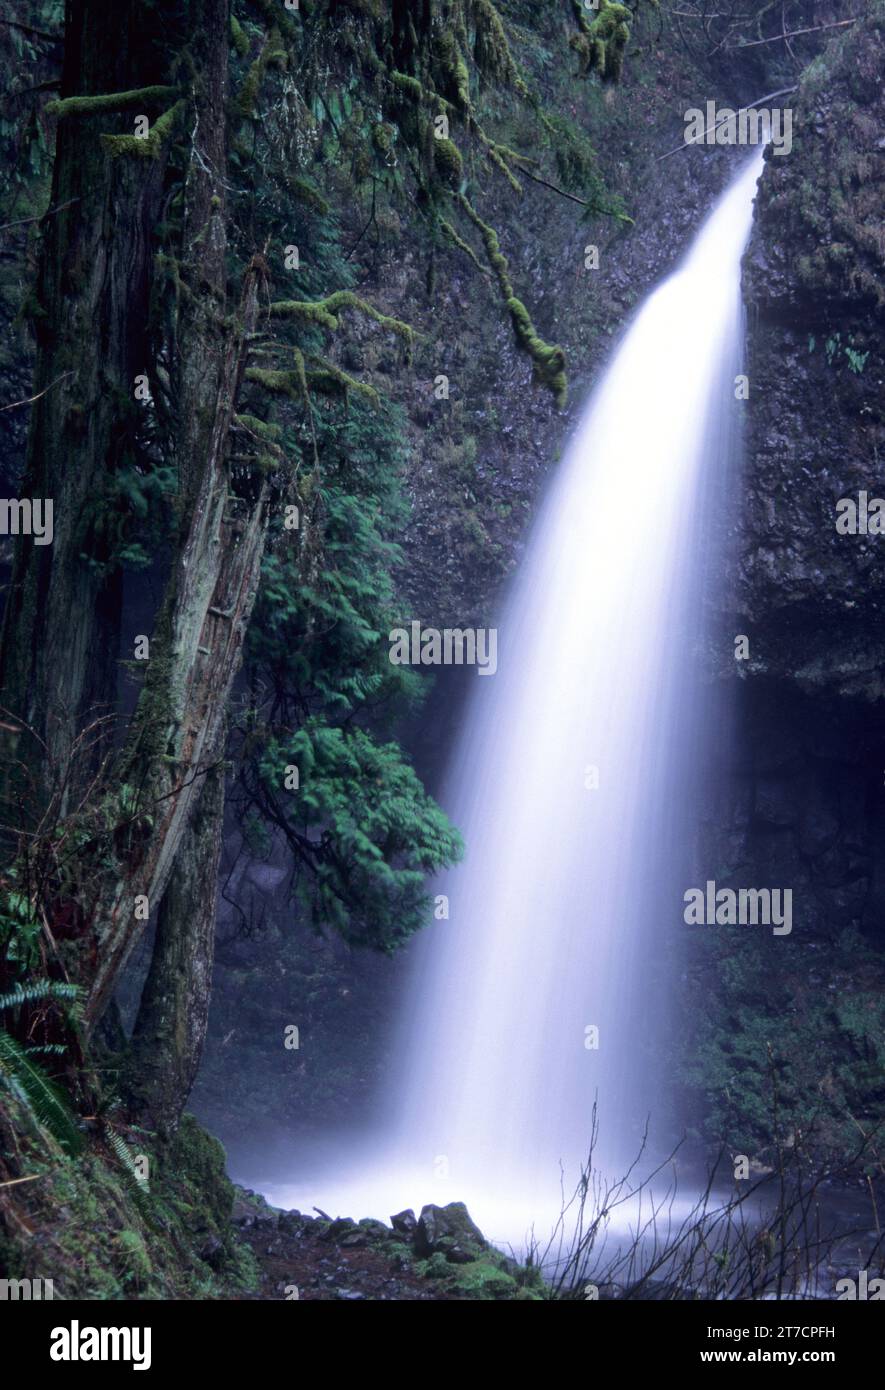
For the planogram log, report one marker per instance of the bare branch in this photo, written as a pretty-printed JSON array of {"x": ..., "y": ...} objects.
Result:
[
  {"x": 29, "y": 400},
  {"x": 784, "y": 91},
  {"x": 776, "y": 38},
  {"x": 24, "y": 221}
]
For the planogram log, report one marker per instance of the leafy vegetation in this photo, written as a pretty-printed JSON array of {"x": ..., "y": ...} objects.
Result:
[{"x": 791, "y": 1047}]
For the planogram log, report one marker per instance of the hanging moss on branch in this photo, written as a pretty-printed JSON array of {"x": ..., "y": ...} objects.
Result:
[
  {"x": 275, "y": 13},
  {"x": 452, "y": 68},
  {"x": 280, "y": 383},
  {"x": 273, "y": 54},
  {"x": 284, "y": 382},
  {"x": 238, "y": 37},
  {"x": 463, "y": 245},
  {"x": 307, "y": 193},
  {"x": 150, "y": 145},
  {"x": 109, "y": 101},
  {"x": 447, "y": 162},
  {"x": 602, "y": 41},
  {"x": 416, "y": 91},
  {"x": 426, "y": 62},
  {"x": 324, "y": 313},
  {"x": 268, "y": 433},
  {"x": 492, "y": 50},
  {"x": 497, "y": 158},
  {"x": 330, "y": 380},
  {"x": 548, "y": 358}
]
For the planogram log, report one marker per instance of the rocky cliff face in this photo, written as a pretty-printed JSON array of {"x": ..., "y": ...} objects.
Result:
[
  {"x": 800, "y": 801},
  {"x": 815, "y": 290}
]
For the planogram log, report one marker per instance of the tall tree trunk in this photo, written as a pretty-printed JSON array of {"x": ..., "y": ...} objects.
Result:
[
  {"x": 60, "y": 638},
  {"x": 150, "y": 836},
  {"x": 179, "y": 729},
  {"x": 170, "y": 1029}
]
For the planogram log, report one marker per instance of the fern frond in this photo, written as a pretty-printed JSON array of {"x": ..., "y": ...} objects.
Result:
[
  {"x": 40, "y": 989},
  {"x": 121, "y": 1149},
  {"x": 31, "y": 1084}
]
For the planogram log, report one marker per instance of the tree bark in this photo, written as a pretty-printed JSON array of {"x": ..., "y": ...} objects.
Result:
[
  {"x": 179, "y": 725},
  {"x": 60, "y": 638},
  {"x": 61, "y": 634},
  {"x": 170, "y": 1029},
  {"x": 179, "y": 729}
]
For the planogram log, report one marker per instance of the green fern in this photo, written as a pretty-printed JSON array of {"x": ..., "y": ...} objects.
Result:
[
  {"x": 31, "y": 1084},
  {"x": 40, "y": 989},
  {"x": 138, "y": 1186},
  {"x": 121, "y": 1149},
  {"x": 25, "y": 1078}
]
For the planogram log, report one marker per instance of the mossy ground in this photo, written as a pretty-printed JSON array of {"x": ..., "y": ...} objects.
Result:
[{"x": 83, "y": 1223}]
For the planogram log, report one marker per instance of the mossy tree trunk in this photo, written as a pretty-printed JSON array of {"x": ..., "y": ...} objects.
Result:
[
  {"x": 61, "y": 633},
  {"x": 178, "y": 737},
  {"x": 170, "y": 1029},
  {"x": 157, "y": 818}
]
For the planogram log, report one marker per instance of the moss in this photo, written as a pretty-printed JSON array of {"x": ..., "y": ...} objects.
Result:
[
  {"x": 280, "y": 383},
  {"x": 273, "y": 54},
  {"x": 109, "y": 101},
  {"x": 306, "y": 191},
  {"x": 134, "y": 1258},
  {"x": 330, "y": 380},
  {"x": 494, "y": 154},
  {"x": 271, "y": 433},
  {"x": 483, "y": 1280},
  {"x": 601, "y": 43},
  {"x": 238, "y": 37},
  {"x": 548, "y": 358},
  {"x": 492, "y": 50},
  {"x": 151, "y": 146},
  {"x": 282, "y": 19},
  {"x": 81, "y": 1226},
  {"x": 410, "y": 86},
  {"x": 308, "y": 311},
  {"x": 462, "y": 245},
  {"x": 383, "y": 137},
  {"x": 447, "y": 161},
  {"x": 201, "y": 1158},
  {"x": 452, "y": 67},
  {"x": 324, "y": 312}
]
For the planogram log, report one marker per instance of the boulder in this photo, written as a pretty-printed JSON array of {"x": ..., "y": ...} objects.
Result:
[
  {"x": 404, "y": 1222},
  {"x": 448, "y": 1229}
]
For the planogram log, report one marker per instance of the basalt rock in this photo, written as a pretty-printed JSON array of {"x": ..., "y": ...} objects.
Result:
[
  {"x": 405, "y": 1222},
  {"x": 447, "y": 1229},
  {"x": 811, "y": 599}
]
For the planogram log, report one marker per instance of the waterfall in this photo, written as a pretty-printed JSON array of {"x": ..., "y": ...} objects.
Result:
[{"x": 547, "y": 989}]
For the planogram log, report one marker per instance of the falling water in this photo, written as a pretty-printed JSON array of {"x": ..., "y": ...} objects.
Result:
[{"x": 547, "y": 988}]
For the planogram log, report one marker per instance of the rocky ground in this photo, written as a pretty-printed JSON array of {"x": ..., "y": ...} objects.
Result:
[{"x": 440, "y": 1254}]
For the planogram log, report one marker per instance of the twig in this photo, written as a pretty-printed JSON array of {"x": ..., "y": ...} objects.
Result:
[
  {"x": 12, "y": 1182},
  {"x": 776, "y": 38},
  {"x": 29, "y": 400},
  {"x": 784, "y": 91},
  {"x": 50, "y": 212},
  {"x": 368, "y": 224},
  {"x": 606, "y": 212}
]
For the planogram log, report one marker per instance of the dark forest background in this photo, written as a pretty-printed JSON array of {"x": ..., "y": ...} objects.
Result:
[{"x": 240, "y": 245}]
